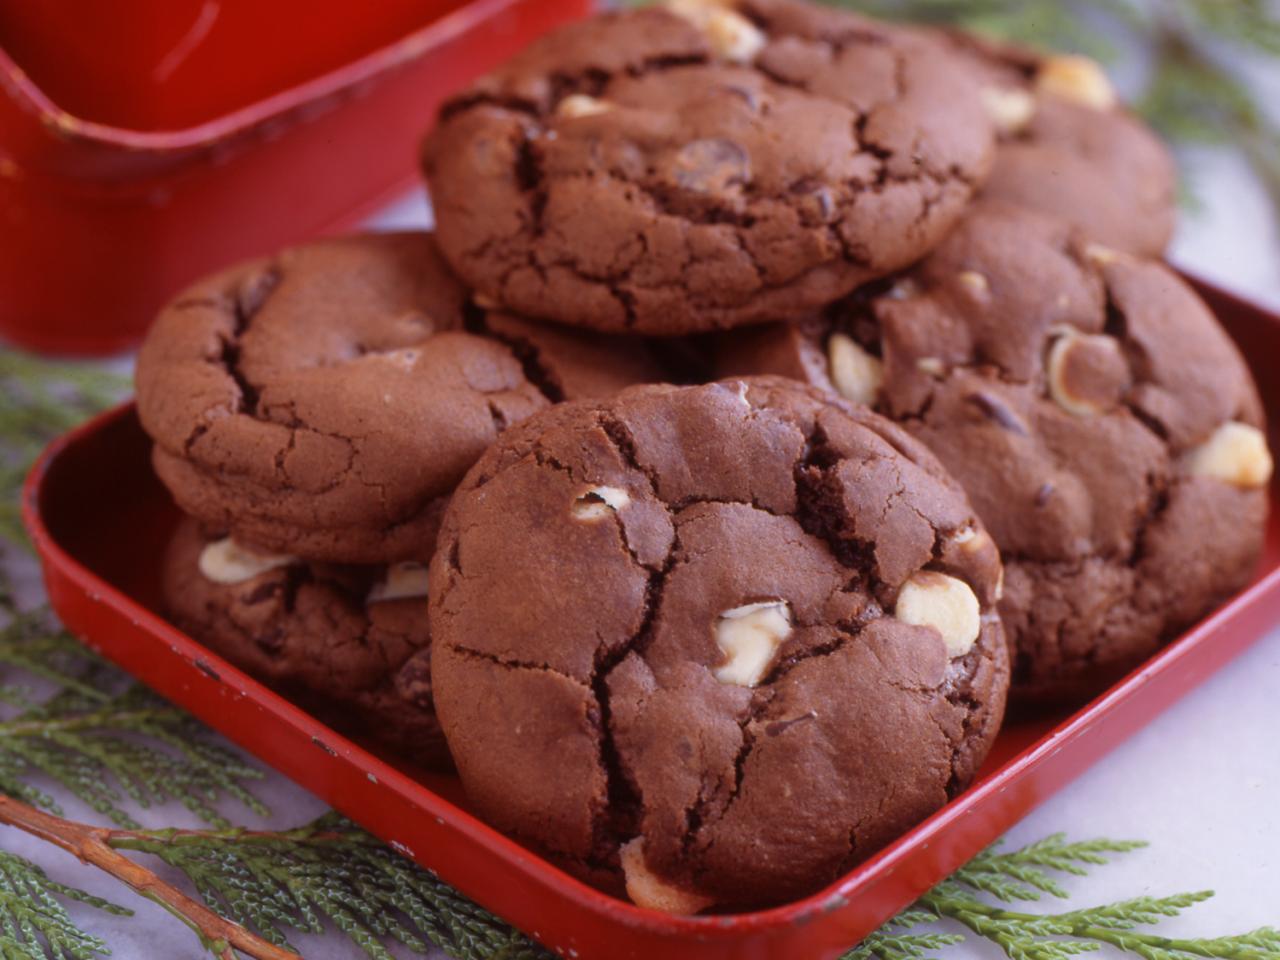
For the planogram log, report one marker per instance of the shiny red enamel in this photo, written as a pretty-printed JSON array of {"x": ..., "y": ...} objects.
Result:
[{"x": 106, "y": 213}]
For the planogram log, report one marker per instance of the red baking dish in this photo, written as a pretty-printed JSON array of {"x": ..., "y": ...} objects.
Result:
[
  {"x": 99, "y": 520},
  {"x": 284, "y": 129}
]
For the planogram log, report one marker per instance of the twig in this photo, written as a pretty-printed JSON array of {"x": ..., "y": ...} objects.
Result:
[
  {"x": 92, "y": 845},
  {"x": 44, "y": 727}
]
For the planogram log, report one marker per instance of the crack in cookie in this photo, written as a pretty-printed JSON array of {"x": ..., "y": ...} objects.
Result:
[
  {"x": 760, "y": 504},
  {"x": 1071, "y": 389},
  {"x": 761, "y": 182},
  {"x": 326, "y": 401}
]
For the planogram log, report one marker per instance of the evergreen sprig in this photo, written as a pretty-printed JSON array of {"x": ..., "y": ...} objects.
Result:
[
  {"x": 104, "y": 739},
  {"x": 33, "y": 922},
  {"x": 1024, "y": 874},
  {"x": 42, "y": 399},
  {"x": 331, "y": 870},
  {"x": 896, "y": 941}
]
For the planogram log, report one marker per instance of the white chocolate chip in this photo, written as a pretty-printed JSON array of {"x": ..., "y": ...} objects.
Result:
[
  {"x": 580, "y": 105},
  {"x": 598, "y": 502},
  {"x": 225, "y": 561},
  {"x": 749, "y": 636},
  {"x": 932, "y": 599},
  {"x": 648, "y": 891},
  {"x": 1058, "y": 388},
  {"x": 855, "y": 373},
  {"x": 904, "y": 289},
  {"x": 734, "y": 37},
  {"x": 975, "y": 282},
  {"x": 1236, "y": 453},
  {"x": 1078, "y": 79},
  {"x": 730, "y": 34},
  {"x": 933, "y": 366},
  {"x": 1010, "y": 109},
  {"x": 1101, "y": 255},
  {"x": 972, "y": 541},
  {"x": 403, "y": 358},
  {"x": 402, "y": 581},
  {"x": 1074, "y": 354}
]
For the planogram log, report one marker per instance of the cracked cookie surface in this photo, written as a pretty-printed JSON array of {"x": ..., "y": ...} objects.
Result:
[
  {"x": 1067, "y": 146},
  {"x": 641, "y": 172},
  {"x": 1104, "y": 425},
  {"x": 324, "y": 402},
  {"x": 332, "y": 638},
  {"x": 668, "y": 619}
]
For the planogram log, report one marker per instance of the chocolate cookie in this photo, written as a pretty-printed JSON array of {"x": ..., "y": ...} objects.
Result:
[
  {"x": 704, "y": 165},
  {"x": 324, "y": 402},
  {"x": 1102, "y": 422},
  {"x": 350, "y": 643},
  {"x": 1069, "y": 148},
  {"x": 716, "y": 644}
]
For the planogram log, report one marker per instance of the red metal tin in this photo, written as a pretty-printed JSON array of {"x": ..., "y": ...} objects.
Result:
[
  {"x": 99, "y": 520},
  {"x": 100, "y": 224}
]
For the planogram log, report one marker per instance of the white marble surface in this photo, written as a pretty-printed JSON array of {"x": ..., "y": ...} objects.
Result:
[{"x": 1201, "y": 784}]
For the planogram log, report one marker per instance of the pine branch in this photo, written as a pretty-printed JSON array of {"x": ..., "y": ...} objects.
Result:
[
  {"x": 32, "y": 643},
  {"x": 42, "y": 400},
  {"x": 901, "y": 946},
  {"x": 330, "y": 869},
  {"x": 92, "y": 846},
  {"x": 1028, "y": 936},
  {"x": 264, "y": 883},
  {"x": 34, "y": 924},
  {"x": 894, "y": 941},
  {"x": 103, "y": 745},
  {"x": 1023, "y": 875}
]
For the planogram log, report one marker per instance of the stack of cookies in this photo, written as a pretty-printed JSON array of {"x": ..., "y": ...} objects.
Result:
[
  {"x": 312, "y": 414},
  {"x": 781, "y": 392}
]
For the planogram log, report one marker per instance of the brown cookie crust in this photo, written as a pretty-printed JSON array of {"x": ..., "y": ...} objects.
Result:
[
  {"x": 312, "y": 632},
  {"x": 1111, "y": 545},
  {"x": 706, "y": 193},
  {"x": 574, "y": 658},
  {"x": 324, "y": 402},
  {"x": 1094, "y": 165}
]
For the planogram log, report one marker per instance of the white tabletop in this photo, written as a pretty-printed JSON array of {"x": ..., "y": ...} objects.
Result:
[{"x": 1201, "y": 784}]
